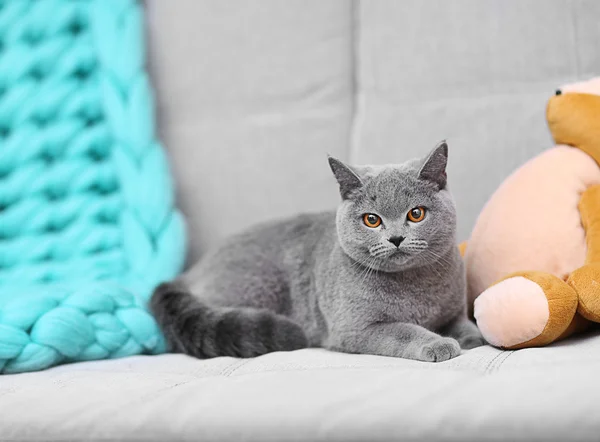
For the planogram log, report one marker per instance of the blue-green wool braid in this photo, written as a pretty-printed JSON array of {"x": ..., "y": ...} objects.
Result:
[{"x": 88, "y": 224}]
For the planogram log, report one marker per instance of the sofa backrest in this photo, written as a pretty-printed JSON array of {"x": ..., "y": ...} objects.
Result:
[{"x": 252, "y": 95}]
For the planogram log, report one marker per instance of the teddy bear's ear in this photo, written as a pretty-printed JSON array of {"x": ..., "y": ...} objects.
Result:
[{"x": 434, "y": 166}]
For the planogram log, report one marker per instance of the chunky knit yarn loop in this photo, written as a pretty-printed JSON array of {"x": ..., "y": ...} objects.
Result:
[{"x": 87, "y": 219}]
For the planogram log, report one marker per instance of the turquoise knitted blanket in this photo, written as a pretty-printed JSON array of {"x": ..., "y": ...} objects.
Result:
[{"x": 87, "y": 220}]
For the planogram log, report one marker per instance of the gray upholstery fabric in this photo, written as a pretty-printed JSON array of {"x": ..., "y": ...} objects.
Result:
[
  {"x": 251, "y": 97},
  {"x": 548, "y": 394}
]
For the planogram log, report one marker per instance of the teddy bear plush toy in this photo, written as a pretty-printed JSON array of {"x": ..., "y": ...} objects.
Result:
[{"x": 533, "y": 259}]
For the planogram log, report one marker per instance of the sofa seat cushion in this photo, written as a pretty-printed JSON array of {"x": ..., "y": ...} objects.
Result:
[{"x": 313, "y": 394}]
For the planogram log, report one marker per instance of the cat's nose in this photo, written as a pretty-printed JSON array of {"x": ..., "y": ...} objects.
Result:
[{"x": 396, "y": 240}]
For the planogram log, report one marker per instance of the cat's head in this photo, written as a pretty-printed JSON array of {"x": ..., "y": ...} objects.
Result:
[{"x": 398, "y": 216}]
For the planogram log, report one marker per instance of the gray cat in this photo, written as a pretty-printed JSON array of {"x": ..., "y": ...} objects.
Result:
[{"x": 382, "y": 275}]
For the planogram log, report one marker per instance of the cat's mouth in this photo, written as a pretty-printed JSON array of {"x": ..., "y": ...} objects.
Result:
[
  {"x": 399, "y": 254},
  {"x": 393, "y": 255},
  {"x": 392, "y": 258}
]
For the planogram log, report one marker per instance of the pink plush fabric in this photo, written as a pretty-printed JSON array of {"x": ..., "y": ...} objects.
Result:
[
  {"x": 511, "y": 312},
  {"x": 532, "y": 221}
]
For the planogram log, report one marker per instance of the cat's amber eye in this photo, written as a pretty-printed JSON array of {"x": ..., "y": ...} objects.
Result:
[
  {"x": 371, "y": 220},
  {"x": 416, "y": 215}
]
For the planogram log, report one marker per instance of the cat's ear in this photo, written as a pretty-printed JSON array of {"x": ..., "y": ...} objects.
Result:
[
  {"x": 348, "y": 180},
  {"x": 434, "y": 166}
]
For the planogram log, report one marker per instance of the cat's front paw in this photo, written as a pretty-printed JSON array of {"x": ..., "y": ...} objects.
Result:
[{"x": 438, "y": 350}]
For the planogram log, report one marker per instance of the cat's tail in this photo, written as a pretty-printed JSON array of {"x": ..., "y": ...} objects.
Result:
[{"x": 197, "y": 329}]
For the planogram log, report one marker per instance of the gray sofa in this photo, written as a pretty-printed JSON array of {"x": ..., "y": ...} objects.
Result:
[{"x": 251, "y": 96}]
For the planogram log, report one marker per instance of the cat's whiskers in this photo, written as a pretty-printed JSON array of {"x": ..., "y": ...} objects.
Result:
[
  {"x": 385, "y": 253},
  {"x": 370, "y": 271},
  {"x": 412, "y": 248},
  {"x": 365, "y": 270},
  {"x": 366, "y": 265},
  {"x": 443, "y": 259},
  {"x": 437, "y": 272},
  {"x": 432, "y": 257},
  {"x": 416, "y": 245},
  {"x": 360, "y": 263},
  {"x": 446, "y": 263},
  {"x": 375, "y": 250},
  {"x": 434, "y": 269}
]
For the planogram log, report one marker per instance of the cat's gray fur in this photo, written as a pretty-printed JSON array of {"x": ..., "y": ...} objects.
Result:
[{"x": 330, "y": 281}]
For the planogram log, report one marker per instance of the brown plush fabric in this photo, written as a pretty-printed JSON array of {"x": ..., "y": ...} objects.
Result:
[
  {"x": 589, "y": 209},
  {"x": 573, "y": 120},
  {"x": 586, "y": 280},
  {"x": 562, "y": 303},
  {"x": 577, "y": 325}
]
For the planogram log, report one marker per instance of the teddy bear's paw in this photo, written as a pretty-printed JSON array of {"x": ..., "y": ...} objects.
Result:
[
  {"x": 586, "y": 281},
  {"x": 522, "y": 310}
]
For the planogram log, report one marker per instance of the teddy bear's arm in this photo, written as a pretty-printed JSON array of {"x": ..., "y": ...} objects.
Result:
[{"x": 586, "y": 279}]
